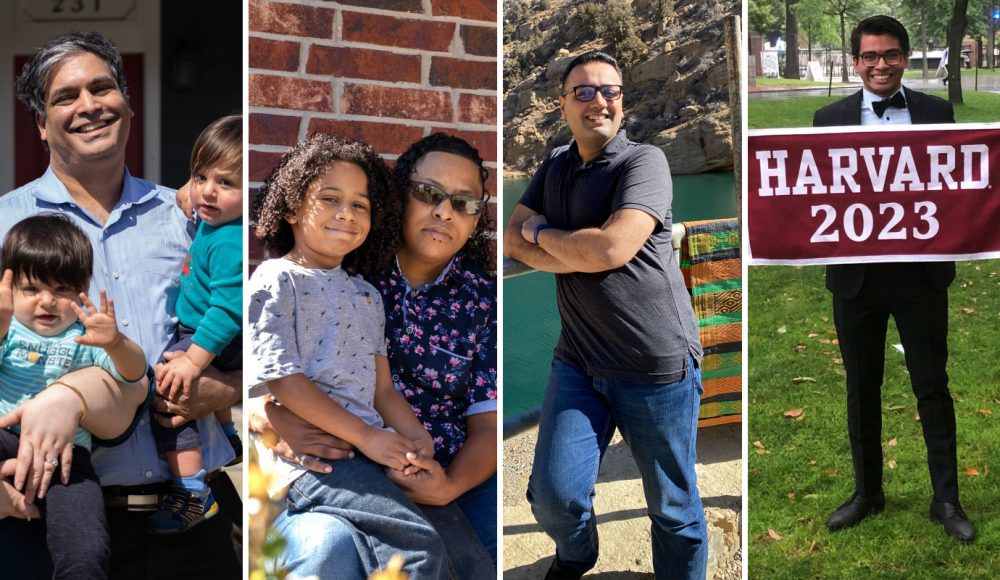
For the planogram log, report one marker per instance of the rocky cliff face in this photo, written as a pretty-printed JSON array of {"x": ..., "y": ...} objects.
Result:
[{"x": 676, "y": 94}]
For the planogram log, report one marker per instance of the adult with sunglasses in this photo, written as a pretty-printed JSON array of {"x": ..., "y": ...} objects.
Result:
[
  {"x": 597, "y": 213},
  {"x": 915, "y": 294},
  {"x": 441, "y": 334}
]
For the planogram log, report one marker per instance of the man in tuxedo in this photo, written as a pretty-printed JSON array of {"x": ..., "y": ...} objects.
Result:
[{"x": 914, "y": 294}]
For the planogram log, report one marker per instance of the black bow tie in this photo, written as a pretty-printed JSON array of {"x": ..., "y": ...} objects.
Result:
[{"x": 896, "y": 101}]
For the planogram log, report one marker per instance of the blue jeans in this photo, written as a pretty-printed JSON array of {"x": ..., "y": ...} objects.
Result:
[
  {"x": 659, "y": 423},
  {"x": 322, "y": 545},
  {"x": 318, "y": 544},
  {"x": 479, "y": 505},
  {"x": 385, "y": 522}
]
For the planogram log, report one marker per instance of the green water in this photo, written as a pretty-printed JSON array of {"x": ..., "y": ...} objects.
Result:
[{"x": 530, "y": 317}]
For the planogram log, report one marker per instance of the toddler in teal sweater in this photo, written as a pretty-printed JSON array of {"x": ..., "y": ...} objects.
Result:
[{"x": 209, "y": 312}]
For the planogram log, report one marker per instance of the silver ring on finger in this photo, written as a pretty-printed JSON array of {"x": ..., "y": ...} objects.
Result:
[{"x": 53, "y": 462}]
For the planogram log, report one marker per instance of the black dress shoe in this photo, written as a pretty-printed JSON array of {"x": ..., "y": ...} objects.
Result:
[
  {"x": 954, "y": 520},
  {"x": 855, "y": 510},
  {"x": 559, "y": 572}
]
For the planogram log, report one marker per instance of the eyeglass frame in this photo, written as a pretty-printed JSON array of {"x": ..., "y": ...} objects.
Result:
[
  {"x": 482, "y": 201},
  {"x": 882, "y": 56},
  {"x": 597, "y": 89}
]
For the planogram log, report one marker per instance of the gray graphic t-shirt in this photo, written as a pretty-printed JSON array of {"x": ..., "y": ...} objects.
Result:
[{"x": 321, "y": 323}]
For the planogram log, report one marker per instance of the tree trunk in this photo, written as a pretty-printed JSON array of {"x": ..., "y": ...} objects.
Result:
[
  {"x": 791, "y": 40},
  {"x": 843, "y": 50},
  {"x": 923, "y": 42},
  {"x": 956, "y": 32}
]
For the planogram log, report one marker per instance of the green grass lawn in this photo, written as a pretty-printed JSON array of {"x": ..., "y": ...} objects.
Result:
[
  {"x": 773, "y": 82},
  {"x": 800, "y": 467},
  {"x": 798, "y": 112}
]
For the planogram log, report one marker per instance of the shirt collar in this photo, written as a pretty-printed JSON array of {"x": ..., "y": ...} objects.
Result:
[
  {"x": 617, "y": 143},
  {"x": 867, "y": 98},
  {"x": 50, "y": 189},
  {"x": 453, "y": 265}
]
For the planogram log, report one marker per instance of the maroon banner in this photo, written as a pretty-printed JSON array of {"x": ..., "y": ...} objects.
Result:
[{"x": 862, "y": 194}]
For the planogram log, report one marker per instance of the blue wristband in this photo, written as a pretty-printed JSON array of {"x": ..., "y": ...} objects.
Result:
[{"x": 539, "y": 228}]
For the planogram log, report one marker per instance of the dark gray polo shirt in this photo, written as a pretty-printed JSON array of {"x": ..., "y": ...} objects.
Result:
[{"x": 635, "y": 322}]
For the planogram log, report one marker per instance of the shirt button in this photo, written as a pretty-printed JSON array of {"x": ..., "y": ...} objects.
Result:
[
  {"x": 395, "y": 378},
  {"x": 114, "y": 275},
  {"x": 149, "y": 473},
  {"x": 409, "y": 330},
  {"x": 125, "y": 322},
  {"x": 142, "y": 421}
]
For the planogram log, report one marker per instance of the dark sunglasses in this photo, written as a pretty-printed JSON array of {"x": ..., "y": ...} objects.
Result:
[
  {"x": 434, "y": 195},
  {"x": 586, "y": 93}
]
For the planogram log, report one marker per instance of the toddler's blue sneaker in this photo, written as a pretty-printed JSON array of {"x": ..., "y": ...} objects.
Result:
[{"x": 181, "y": 510}]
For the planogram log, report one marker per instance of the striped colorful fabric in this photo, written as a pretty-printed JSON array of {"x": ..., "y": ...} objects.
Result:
[{"x": 710, "y": 261}]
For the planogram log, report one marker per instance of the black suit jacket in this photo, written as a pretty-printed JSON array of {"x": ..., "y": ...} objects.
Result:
[{"x": 845, "y": 280}]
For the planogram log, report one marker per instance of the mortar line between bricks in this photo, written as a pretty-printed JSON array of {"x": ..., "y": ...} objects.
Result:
[
  {"x": 384, "y": 12},
  {"x": 303, "y": 114},
  {"x": 400, "y": 50}
]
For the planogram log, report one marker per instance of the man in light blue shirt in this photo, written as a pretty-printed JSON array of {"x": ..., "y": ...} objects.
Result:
[{"x": 76, "y": 91}]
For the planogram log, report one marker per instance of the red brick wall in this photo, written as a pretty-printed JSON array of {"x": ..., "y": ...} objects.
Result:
[{"x": 385, "y": 71}]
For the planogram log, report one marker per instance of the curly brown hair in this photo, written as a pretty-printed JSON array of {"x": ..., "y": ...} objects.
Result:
[
  {"x": 285, "y": 189},
  {"x": 478, "y": 250}
]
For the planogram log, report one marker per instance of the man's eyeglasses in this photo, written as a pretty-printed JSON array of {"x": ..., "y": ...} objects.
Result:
[
  {"x": 891, "y": 57},
  {"x": 586, "y": 93},
  {"x": 434, "y": 195}
]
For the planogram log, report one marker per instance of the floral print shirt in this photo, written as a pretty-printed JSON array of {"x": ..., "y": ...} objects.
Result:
[{"x": 442, "y": 346}]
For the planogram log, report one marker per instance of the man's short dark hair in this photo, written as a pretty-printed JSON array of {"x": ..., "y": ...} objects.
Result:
[
  {"x": 33, "y": 82},
  {"x": 51, "y": 249},
  {"x": 878, "y": 25},
  {"x": 592, "y": 56}
]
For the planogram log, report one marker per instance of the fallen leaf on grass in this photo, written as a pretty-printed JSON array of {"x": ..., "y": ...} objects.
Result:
[
  {"x": 791, "y": 495},
  {"x": 892, "y": 464},
  {"x": 812, "y": 547},
  {"x": 825, "y": 341},
  {"x": 985, "y": 412},
  {"x": 838, "y": 361},
  {"x": 894, "y": 407},
  {"x": 782, "y": 329},
  {"x": 835, "y": 341},
  {"x": 972, "y": 472},
  {"x": 968, "y": 310},
  {"x": 800, "y": 348},
  {"x": 792, "y": 413},
  {"x": 812, "y": 335},
  {"x": 996, "y": 401},
  {"x": 916, "y": 418},
  {"x": 812, "y": 462},
  {"x": 761, "y": 450},
  {"x": 825, "y": 318},
  {"x": 774, "y": 535},
  {"x": 803, "y": 380},
  {"x": 892, "y": 442}
]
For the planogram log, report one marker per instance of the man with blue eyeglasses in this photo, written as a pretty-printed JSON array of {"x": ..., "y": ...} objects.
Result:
[{"x": 597, "y": 213}]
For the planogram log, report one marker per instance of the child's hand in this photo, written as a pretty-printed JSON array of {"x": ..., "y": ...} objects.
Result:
[
  {"x": 102, "y": 330},
  {"x": 175, "y": 377},
  {"x": 7, "y": 296},
  {"x": 184, "y": 200},
  {"x": 387, "y": 448}
]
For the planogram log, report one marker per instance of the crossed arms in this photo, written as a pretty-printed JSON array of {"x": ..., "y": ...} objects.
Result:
[{"x": 610, "y": 246}]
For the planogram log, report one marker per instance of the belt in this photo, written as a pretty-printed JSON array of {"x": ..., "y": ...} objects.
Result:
[{"x": 141, "y": 498}]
